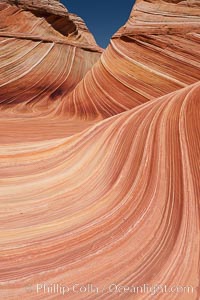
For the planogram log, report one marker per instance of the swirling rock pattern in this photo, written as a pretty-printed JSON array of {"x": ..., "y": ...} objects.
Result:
[
  {"x": 43, "y": 55},
  {"x": 99, "y": 179},
  {"x": 156, "y": 52}
]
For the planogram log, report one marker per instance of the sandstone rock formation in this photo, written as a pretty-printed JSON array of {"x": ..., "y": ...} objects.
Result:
[
  {"x": 99, "y": 154},
  {"x": 41, "y": 52},
  {"x": 44, "y": 53},
  {"x": 155, "y": 53}
]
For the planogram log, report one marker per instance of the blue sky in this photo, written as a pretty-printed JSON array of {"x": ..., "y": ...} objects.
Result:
[{"x": 103, "y": 18}]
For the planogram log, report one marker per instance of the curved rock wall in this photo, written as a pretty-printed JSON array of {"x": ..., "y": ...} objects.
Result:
[
  {"x": 99, "y": 155},
  {"x": 156, "y": 52}
]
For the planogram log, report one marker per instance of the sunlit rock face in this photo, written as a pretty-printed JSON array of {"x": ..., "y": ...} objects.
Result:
[
  {"x": 44, "y": 52},
  {"x": 99, "y": 154},
  {"x": 45, "y": 6},
  {"x": 156, "y": 52},
  {"x": 47, "y": 20}
]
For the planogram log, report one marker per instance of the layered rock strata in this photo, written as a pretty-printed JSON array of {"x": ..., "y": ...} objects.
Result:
[
  {"x": 99, "y": 154},
  {"x": 44, "y": 52},
  {"x": 156, "y": 52},
  {"x": 118, "y": 203}
]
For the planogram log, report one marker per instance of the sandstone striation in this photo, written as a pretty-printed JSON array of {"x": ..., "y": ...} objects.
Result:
[
  {"x": 44, "y": 52},
  {"x": 43, "y": 48},
  {"x": 44, "y": 6},
  {"x": 116, "y": 203},
  {"x": 99, "y": 154},
  {"x": 47, "y": 21},
  {"x": 156, "y": 52}
]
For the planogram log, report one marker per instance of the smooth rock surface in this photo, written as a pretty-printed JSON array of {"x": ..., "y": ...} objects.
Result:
[
  {"x": 99, "y": 154},
  {"x": 43, "y": 55},
  {"x": 156, "y": 52}
]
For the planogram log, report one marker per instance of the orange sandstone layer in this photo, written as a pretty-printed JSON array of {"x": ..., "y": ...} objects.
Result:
[
  {"x": 99, "y": 156},
  {"x": 46, "y": 20},
  {"x": 52, "y": 73},
  {"x": 117, "y": 203},
  {"x": 42, "y": 56},
  {"x": 156, "y": 52},
  {"x": 44, "y": 52}
]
